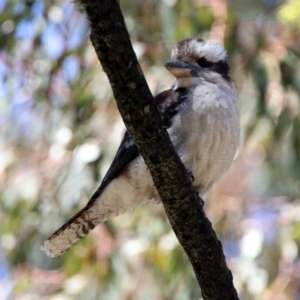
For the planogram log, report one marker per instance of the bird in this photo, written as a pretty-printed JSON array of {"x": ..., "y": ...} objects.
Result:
[{"x": 201, "y": 114}]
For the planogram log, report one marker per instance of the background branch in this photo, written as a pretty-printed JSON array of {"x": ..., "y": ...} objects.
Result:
[{"x": 141, "y": 117}]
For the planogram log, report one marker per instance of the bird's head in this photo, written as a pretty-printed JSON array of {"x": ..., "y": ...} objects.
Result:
[{"x": 194, "y": 57}]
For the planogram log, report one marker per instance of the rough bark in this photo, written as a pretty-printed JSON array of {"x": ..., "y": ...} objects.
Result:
[{"x": 141, "y": 117}]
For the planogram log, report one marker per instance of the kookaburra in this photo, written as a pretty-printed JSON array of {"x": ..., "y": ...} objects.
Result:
[{"x": 201, "y": 113}]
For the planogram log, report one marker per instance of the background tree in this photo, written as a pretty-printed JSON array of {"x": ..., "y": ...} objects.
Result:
[{"x": 60, "y": 128}]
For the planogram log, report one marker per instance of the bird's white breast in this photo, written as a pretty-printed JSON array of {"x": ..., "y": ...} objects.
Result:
[{"x": 205, "y": 132}]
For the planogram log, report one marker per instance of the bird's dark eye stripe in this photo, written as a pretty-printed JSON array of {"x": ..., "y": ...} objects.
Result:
[
  {"x": 204, "y": 63},
  {"x": 221, "y": 67}
]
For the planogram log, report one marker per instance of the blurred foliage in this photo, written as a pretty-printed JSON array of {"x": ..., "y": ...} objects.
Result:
[{"x": 60, "y": 129}]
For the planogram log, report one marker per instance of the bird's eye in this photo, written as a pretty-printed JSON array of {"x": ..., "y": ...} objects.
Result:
[{"x": 204, "y": 63}]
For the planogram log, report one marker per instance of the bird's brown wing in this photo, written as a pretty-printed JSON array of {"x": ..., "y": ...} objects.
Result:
[{"x": 167, "y": 103}]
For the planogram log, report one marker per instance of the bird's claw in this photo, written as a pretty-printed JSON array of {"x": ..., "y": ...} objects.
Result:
[
  {"x": 191, "y": 175},
  {"x": 201, "y": 202}
]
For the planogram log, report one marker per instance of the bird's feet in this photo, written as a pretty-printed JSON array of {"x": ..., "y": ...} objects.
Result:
[
  {"x": 191, "y": 175},
  {"x": 201, "y": 202}
]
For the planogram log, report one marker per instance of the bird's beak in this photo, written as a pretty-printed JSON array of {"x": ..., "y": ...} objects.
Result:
[{"x": 181, "y": 69}]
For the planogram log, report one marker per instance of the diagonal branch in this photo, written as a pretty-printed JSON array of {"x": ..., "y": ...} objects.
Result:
[{"x": 141, "y": 117}]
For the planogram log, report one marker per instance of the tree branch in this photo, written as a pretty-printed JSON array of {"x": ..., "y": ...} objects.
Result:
[{"x": 141, "y": 117}]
